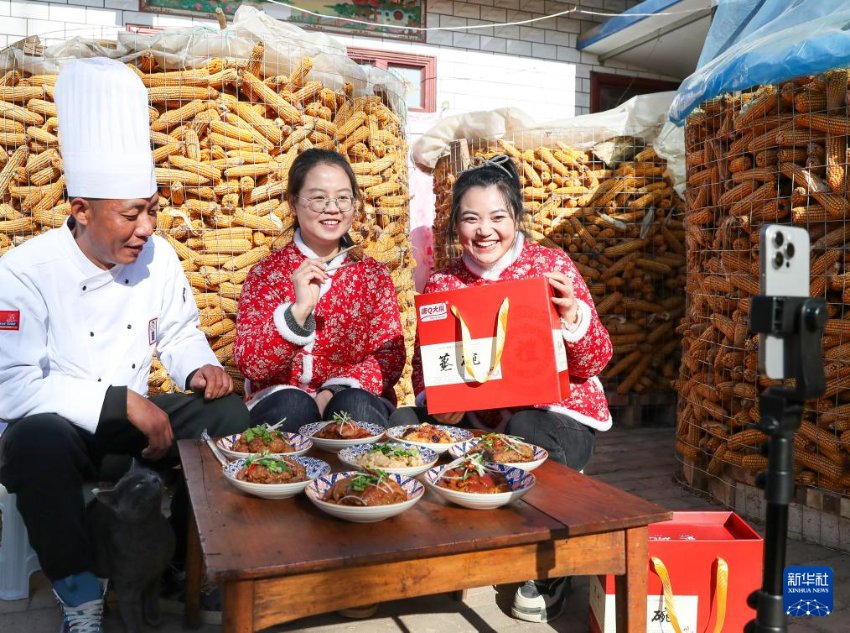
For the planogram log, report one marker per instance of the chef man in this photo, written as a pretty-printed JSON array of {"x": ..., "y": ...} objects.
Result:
[{"x": 82, "y": 310}]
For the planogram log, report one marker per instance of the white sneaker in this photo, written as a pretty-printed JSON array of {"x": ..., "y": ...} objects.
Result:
[
  {"x": 541, "y": 600},
  {"x": 85, "y": 618}
]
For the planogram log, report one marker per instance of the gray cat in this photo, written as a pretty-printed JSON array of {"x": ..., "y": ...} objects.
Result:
[{"x": 132, "y": 543}]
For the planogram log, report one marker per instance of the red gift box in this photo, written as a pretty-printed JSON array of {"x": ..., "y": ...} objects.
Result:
[
  {"x": 513, "y": 355},
  {"x": 710, "y": 562}
]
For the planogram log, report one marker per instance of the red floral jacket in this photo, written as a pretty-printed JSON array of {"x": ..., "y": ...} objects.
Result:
[
  {"x": 357, "y": 342},
  {"x": 588, "y": 347}
]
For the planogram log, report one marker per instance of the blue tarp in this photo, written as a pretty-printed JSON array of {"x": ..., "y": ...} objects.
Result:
[{"x": 754, "y": 42}]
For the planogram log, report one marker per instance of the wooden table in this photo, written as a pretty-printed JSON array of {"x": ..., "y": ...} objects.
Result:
[{"x": 278, "y": 561}]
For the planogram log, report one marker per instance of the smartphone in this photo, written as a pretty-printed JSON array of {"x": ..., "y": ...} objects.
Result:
[{"x": 784, "y": 266}]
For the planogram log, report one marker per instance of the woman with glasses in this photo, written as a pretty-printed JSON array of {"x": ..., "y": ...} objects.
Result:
[{"x": 318, "y": 329}]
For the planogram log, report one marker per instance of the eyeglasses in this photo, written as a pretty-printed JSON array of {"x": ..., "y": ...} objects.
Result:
[{"x": 320, "y": 204}]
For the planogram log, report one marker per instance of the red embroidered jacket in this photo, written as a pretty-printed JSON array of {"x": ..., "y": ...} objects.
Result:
[
  {"x": 588, "y": 348},
  {"x": 358, "y": 339}
]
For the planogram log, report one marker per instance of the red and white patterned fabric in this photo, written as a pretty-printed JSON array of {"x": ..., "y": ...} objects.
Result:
[
  {"x": 588, "y": 347},
  {"x": 358, "y": 340}
]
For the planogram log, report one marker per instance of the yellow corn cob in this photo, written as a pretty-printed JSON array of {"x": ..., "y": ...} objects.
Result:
[
  {"x": 809, "y": 101},
  {"x": 20, "y": 94},
  {"x": 19, "y": 114},
  {"x": 754, "y": 463},
  {"x": 166, "y": 176},
  {"x": 254, "y": 170},
  {"x": 360, "y": 134},
  {"x": 235, "y": 132},
  {"x": 8, "y": 126},
  {"x": 255, "y": 135},
  {"x": 21, "y": 225},
  {"x": 163, "y": 152},
  {"x": 42, "y": 107},
  {"x": 183, "y": 251},
  {"x": 44, "y": 176},
  {"x": 294, "y": 138},
  {"x": 161, "y": 138},
  {"x": 192, "y": 145},
  {"x": 15, "y": 161},
  {"x": 319, "y": 124},
  {"x": 299, "y": 73},
  {"x": 195, "y": 167},
  {"x": 12, "y": 139},
  {"x": 818, "y": 463},
  {"x": 832, "y": 123},
  {"x": 258, "y": 90},
  {"x": 836, "y": 89},
  {"x": 748, "y": 437},
  {"x": 8, "y": 212},
  {"x": 262, "y": 223},
  {"x": 382, "y": 189},
  {"x": 350, "y": 125},
  {"x": 248, "y": 156},
  {"x": 53, "y": 217},
  {"x": 309, "y": 90},
  {"x": 265, "y": 192},
  {"x": 157, "y": 94},
  {"x": 180, "y": 115},
  {"x": 246, "y": 259},
  {"x": 757, "y": 109}
]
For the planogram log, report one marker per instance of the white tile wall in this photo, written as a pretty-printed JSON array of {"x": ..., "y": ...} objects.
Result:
[
  {"x": 23, "y": 9},
  {"x": 479, "y": 69}
]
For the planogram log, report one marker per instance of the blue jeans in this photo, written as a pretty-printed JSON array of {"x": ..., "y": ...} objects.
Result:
[{"x": 299, "y": 408}]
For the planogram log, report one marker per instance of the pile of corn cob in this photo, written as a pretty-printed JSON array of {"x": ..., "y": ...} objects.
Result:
[
  {"x": 778, "y": 154},
  {"x": 621, "y": 224},
  {"x": 224, "y": 136}
]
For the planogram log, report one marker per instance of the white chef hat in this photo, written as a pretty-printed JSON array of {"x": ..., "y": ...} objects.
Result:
[{"x": 104, "y": 130}]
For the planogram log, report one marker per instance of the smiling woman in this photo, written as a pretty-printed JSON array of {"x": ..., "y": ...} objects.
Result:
[{"x": 318, "y": 329}]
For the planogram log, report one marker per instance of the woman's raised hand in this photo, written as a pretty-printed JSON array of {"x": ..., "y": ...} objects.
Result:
[
  {"x": 565, "y": 298},
  {"x": 307, "y": 279}
]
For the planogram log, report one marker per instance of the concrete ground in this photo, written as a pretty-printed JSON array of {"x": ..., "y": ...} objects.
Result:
[{"x": 639, "y": 460}]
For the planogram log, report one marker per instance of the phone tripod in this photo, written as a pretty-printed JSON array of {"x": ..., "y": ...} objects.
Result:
[{"x": 799, "y": 321}]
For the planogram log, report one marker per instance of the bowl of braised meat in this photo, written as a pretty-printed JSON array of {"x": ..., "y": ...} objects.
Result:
[
  {"x": 471, "y": 482},
  {"x": 393, "y": 457},
  {"x": 498, "y": 448},
  {"x": 364, "y": 496},
  {"x": 438, "y": 437},
  {"x": 274, "y": 476},
  {"x": 340, "y": 432},
  {"x": 263, "y": 439}
]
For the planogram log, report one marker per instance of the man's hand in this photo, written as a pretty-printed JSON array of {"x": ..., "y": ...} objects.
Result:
[
  {"x": 448, "y": 418},
  {"x": 153, "y": 422},
  {"x": 213, "y": 380}
]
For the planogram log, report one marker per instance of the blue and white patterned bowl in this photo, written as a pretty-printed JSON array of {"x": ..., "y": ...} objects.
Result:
[
  {"x": 314, "y": 467},
  {"x": 457, "y": 434},
  {"x": 520, "y": 481},
  {"x": 540, "y": 454},
  {"x": 300, "y": 445},
  {"x": 376, "y": 431},
  {"x": 352, "y": 454},
  {"x": 363, "y": 514}
]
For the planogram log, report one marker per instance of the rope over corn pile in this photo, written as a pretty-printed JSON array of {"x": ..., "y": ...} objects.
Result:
[
  {"x": 224, "y": 136},
  {"x": 778, "y": 154},
  {"x": 621, "y": 224}
]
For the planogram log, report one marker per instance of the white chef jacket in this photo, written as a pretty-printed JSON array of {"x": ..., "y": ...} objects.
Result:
[{"x": 69, "y": 330}]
